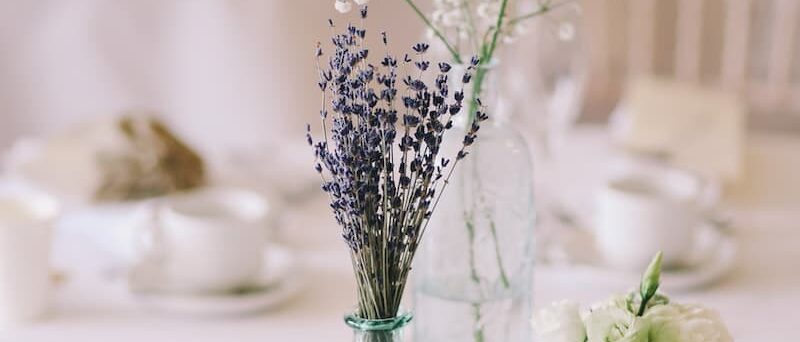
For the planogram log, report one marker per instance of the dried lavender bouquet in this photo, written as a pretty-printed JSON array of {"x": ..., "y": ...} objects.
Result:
[{"x": 379, "y": 156}]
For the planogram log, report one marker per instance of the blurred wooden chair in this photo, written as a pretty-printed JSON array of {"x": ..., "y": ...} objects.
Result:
[{"x": 751, "y": 47}]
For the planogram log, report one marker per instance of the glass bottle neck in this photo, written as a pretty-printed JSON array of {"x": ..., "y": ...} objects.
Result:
[{"x": 378, "y": 330}]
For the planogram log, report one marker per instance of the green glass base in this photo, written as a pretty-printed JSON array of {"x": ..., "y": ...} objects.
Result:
[{"x": 378, "y": 330}]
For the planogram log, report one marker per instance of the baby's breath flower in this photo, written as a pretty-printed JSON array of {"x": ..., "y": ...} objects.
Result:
[
  {"x": 470, "y": 24},
  {"x": 343, "y": 6},
  {"x": 488, "y": 11}
]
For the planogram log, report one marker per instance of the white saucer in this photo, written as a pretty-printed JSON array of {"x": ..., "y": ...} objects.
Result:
[
  {"x": 714, "y": 257},
  {"x": 281, "y": 279}
]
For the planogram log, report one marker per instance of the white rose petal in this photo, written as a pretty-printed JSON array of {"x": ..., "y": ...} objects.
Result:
[
  {"x": 639, "y": 331},
  {"x": 686, "y": 323},
  {"x": 609, "y": 323},
  {"x": 561, "y": 322},
  {"x": 343, "y": 6}
]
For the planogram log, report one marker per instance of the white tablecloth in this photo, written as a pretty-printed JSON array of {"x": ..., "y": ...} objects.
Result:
[{"x": 759, "y": 299}]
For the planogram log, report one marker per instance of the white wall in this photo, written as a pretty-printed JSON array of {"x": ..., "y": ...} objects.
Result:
[{"x": 224, "y": 72}]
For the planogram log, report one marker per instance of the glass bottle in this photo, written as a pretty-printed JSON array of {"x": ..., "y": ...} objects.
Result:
[{"x": 473, "y": 278}]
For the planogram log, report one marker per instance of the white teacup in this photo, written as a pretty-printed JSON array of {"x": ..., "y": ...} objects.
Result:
[
  {"x": 641, "y": 214},
  {"x": 207, "y": 240},
  {"x": 26, "y": 222}
]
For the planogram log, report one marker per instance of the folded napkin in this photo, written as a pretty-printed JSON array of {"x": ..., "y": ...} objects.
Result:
[{"x": 697, "y": 128}]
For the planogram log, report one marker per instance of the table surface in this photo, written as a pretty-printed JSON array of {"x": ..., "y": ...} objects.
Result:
[{"x": 758, "y": 299}]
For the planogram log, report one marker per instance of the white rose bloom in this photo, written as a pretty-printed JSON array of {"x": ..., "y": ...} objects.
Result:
[
  {"x": 686, "y": 323},
  {"x": 611, "y": 323},
  {"x": 561, "y": 322},
  {"x": 343, "y": 6}
]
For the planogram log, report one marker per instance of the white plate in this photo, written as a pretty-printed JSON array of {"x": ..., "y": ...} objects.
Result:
[
  {"x": 714, "y": 257},
  {"x": 282, "y": 278}
]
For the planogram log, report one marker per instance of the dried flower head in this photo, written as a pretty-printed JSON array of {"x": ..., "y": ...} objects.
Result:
[{"x": 379, "y": 156}]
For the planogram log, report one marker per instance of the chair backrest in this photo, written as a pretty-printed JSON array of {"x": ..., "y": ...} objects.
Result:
[{"x": 749, "y": 46}]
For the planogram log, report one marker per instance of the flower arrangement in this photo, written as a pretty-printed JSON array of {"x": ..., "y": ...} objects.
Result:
[
  {"x": 379, "y": 156},
  {"x": 474, "y": 27},
  {"x": 646, "y": 316}
]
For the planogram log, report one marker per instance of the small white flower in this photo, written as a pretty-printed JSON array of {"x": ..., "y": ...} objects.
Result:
[
  {"x": 484, "y": 11},
  {"x": 361, "y": 2},
  {"x": 521, "y": 29},
  {"x": 452, "y": 18},
  {"x": 437, "y": 16},
  {"x": 430, "y": 34},
  {"x": 509, "y": 37},
  {"x": 343, "y": 6},
  {"x": 488, "y": 11},
  {"x": 561, "y": 322},
  {"x": 566, "y": 31}
]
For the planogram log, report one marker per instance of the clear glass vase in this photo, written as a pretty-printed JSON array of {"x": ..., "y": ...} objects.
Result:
[
  {"x": 473, "y": 279},
  {"x": 378, "y": 330}
]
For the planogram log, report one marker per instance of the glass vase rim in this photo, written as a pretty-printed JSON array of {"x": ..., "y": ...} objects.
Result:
[{"x": 402, "y": 319}]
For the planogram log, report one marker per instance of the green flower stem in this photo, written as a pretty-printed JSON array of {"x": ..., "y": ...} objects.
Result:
[
  {"x": 546, "y": 7},
  {"x": 377, "y": 336},
  {"x": 469, "y": 220},
  {"x": 488, "y": 54},
  {"x": 503, "y": 275},
  {"x": 478, "y": 334},
  {"x": 442, "y": 38},
  {"x": 492, "y": 226},
  {"x": 473, "y": 272}
]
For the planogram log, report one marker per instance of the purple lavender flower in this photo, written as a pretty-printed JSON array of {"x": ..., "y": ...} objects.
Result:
[{"x": 383, "y": 197}]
